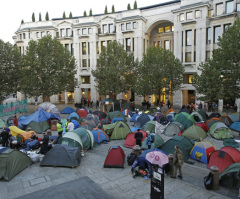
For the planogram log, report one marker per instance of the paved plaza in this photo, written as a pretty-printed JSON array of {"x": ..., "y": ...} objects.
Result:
[{"x": 116, "y": 182}]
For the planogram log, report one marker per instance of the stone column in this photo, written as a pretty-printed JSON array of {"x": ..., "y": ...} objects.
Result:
[{"x": 66, "y": 97}]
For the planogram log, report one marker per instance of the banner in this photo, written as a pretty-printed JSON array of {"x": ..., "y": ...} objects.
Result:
[{"x": 13, "y": 108}]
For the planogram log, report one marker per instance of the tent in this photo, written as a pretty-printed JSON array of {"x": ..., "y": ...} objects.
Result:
[
  {"x": 133, "y": 118},
  {"x": 93, "y": 118},
  {"x": 157, "y": 116},
  {"x": 230, "y": 142},
  {"x": 154, "y": 127},
  {"x": 15, "y": 130},
  {"x": 224, "y": 157},
  {"x": 212, "y": 121},
  {"x": 2, "y": 124},
  {"x": 220, "y": 131},
  {"x": 120, "y": 131},
  {"x": 108, "y": 128},
  {"x": 226, "y": 120},
  {"x": 99, "y": 136},
  {"x": 76, "y": 124},
  {"x": 115, "y": 158},
  {"x": 173, "y": 129},
  {"x": 235, "y": 117},
  {"x": 169, "y": 111},
  {"x": 194, "y": 132},
  {"x": 217, "y": 115},
  {"x": 197, "y": 116},
  {"x": 171, "y": 116},
  {"x": 184, "y": 110},
  {"x": 82, "y": 112},
  {"x": 116, "y": 120},
  {"x": 38, "y": 127},
  {"x": 48, "y": 107},
  {"x": 68, "y": 110},
  {"x": 158, "y": 142},
  {"x": 202, "y": 151},
  {"x": 39, "y": 116},
  {"x": 100, "y": 114},
  {"x": 228, "y": 177},
  {"x": 116, "y": 114},
  {"x": 21, "y": 138},
  {"x": 115, "y": 103},
  {"x": 203, "y": 126},
  {"x": 12, "y": 162},
  {"x": 86, "y": 137},
  {"x": 89, "y": 125},
  {"x": 104, "y": 122},
  {"x": 235, "y": 126},
  {"x": 10, "y": 121},
  {"x": 143, "y": 119},
  {"x": 62, "y": 156},
  {"x": 185, "y": 119},
  {"x": 73, "y": 115},
  {"x": 71, "y": 139},
  {"x": 130, "y": 141},
  {"x": 184, "y": 144},
  {"x": 203, "y": 114}
]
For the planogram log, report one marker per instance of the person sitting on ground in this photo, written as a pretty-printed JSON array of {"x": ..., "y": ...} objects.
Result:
[
  {"x": 33, "y": 136},
  {"x": 32, "y": 144},
  {"x": 70, "y": 126},
  {"x": 138, "y": 136}
]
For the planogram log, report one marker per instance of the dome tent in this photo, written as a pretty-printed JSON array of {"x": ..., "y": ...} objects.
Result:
[
  {"x": 71, "y": 139},
  {"x": 226, "y": 120},
  {"x": 48, "y": 107},
  {"x": 67, "y": 110},
  {"x": 194, "y": 132},
  {"x": 120, "y": 131},
  {"x": 173, "y": 129},
  {"x": 220, "y": 131},
  {"x": 185, "y": 119},
  {"x": 130, "y": 141},
  {"x": 99, "y": 136},
  {"x": 158, "y": 142}
]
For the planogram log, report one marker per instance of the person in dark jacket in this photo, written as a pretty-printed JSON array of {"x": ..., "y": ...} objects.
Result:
[
  {"x": 138, "y": 136},
  {"x": 5, "y": 136},
  {"x": 44, "y": 147}
]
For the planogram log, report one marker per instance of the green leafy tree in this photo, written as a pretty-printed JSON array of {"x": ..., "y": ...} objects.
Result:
[
  {"x": 10, "y": 59},
  {"x": 64, "y": 15},
  {"x": 48, "y": 68},
  {"x": 70, "y": 15},
  {"x": 47, "y": 17},
  {"x": 129, "y": 6},
  {"x": 84, "y": 13},
  {"x": 22, "y": 22},
  {"x": 33, "y": 17},
  {"x": 114, "y": 70},
  {"x": 159, "y": 73},
  {"x": 113, "y": 9},
  {"x": 135, "y": 5},
  {"x": 219, "y": 78},
  {"x": 106, "y": 10},
  {"x": 90, "y": 12},
  {"x": 40, "y": 16}
]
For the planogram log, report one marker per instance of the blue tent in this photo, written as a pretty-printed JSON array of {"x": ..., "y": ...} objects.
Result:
[
  {"x": 67, "y": 110},
  {"x": 134, "y": 117},
  {"x": 73, "y": 114},
  {"x": 144, "y": 118},
  {"x": 135, "y": 128},
  {"x": 76, "y": 124},
  {"x": 39, "y": 116},
  {"x": 99, "y": 136},
  {"x": 235, "y": 126},
  {"x": 117, "y": 119}
]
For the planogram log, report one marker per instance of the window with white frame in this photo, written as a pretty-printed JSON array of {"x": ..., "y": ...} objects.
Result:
[
  {"x": 208, "y": 36},
  {"x": 104, "y": 28},
  {"x": 48, "y": 32},
  {"x": 166, "y": 45},
  {"x": 20, "y": 36},
  {"x": 79, "y": 31},
  {"x": 24, "y": 36},
  {"x": 67, "y": 47},
  {"x": 38, "y": 34},
  {"x": 68, "y": 32},
  {"x": 111, "y": 28},
  {"x": 229, "y": 6},
  {"x": 84, "y": 31},
  {"x": 238, "y": 7},
  {"x": 197, "y": 14},
  {"x": 219, "y": 8},
  {"x": 62, "y": 32},
  {"x": 189, "y": 15},
  {"x": 89, "y": 31},
  {"x": 188, "y": 57},
  {"x": 42, "y": 34},
  {"x": 122, "y": 27},
  {"x": 135, "y": 24},
  {"x": 30, "y": 35},
  {"x": 128, "y": 26},
  {"x": 84, "y": 48},
  {"x": 181, "y": 17},
  {"x": 128, "y": 44},
  {"x": 188, "y": 37},
  {"x": 217, "y": 33}
]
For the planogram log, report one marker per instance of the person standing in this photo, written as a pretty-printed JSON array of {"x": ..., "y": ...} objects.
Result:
[
  {"x": 150, "y": 140},
  {"x": 15, "y": 121},
  {"x": 97, "y": 104},
  {"x": 59, "y": 127},
  {"x": 177, "y": 162},
  {"x": 227, "y": 109},
  {"x": 169, "y": 104},
  {"x": 44, "y": 147},
  {"x": 5, "y": 136},
  {"x": 138, "y": 136},
  {"x": 36, "y": 101},
  {"x": 70, "y": 126}
]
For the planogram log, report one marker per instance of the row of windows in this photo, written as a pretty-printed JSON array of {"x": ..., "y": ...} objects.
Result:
[
  {"x": 229, "y": 8},
  {"x": 129, "y": 26},
  {"x": 85, "y": 31},
  {"x": 165, "y": 29},
  {"x": 30, "y": 35},
  {"x": 190, "y": 15},
  {"x": 166, "y": 44}
]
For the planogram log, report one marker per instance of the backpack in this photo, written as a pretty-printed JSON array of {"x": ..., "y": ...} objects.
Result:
[
  {"x": 131, "y": 158},
  {"x": 208, "y": 181}
]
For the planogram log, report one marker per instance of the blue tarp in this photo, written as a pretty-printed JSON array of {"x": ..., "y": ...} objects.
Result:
[
  {"x": 133, "y": 129},
  {"x": 73, "y": 114},
  {"x": 117, "y": 119},
  {"x": 39, "y": 116},
  {"x": 67, "y": 110},
  {"x": 133, "y": 119}
]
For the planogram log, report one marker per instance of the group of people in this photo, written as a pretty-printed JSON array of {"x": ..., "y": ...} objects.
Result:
[{"x": 178, "y": 157}]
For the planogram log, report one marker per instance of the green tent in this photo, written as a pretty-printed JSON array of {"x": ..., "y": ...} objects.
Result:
[
  {"x": 194, "y": 132},
  {"x": 116, "y": 114},
  {"x": 158, "y": 141},
  {"x": 149, "y": 126},
  {"x": 2, "y": 124},
  {"x": 38, "y": 127},
  {"x": 203, "y": 114},
  {"x": 197, "y": 116},
  {"x": 228, "y": 177},
  {"x": 184, "y": 144},
  {"x": 86, "y": 137},
  {"x": 71, "y": 139},
  {"x": 12, "y": 162},
  {"x": 220, "y": 131},
  {"x": 108, "y": 128},
  {"x": 120, "y": 131},
  {"x": 185, "y": 119}
]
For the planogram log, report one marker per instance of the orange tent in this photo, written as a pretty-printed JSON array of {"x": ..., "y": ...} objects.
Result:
[
  {"x": 170, "y": 110},
  {"x": 24, "y": 136}
]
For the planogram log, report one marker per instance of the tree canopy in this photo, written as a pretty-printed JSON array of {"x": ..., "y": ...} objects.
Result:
[
  {"x": 219, "y": 77},
  {"x": 129, "y": 6},
  {"x": 70, "y": 15},
  {"x": 10, "y": 59},
  {"x": 113, "y": 9},
  {"x": 33, "y": 17},
  {"x": 47, "y": 17},
  {"x": 114, "y": 70},
  {"x": 64, "y": 15},
  {"x": 106, "y": 10},
  {"x": 47, "y": 67},
  {"x": 90, "y": 12},
  {"x": 135, "y": 5},
  {"x": 84, "y": 13},
  {"x": 40, "y": 17}
]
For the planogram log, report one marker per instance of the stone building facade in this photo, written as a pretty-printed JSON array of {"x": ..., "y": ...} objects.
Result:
[{"x": 189, "y": 28}]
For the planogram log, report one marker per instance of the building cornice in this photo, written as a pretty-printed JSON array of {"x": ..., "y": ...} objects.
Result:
[
  {"x": 136, "y": 17},
  {"x": 191, "y": 6},
  {"x": 36, "y": 28}
]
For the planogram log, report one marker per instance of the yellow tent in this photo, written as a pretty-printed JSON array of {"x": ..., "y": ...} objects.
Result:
[{"x": 15, "y": 130}]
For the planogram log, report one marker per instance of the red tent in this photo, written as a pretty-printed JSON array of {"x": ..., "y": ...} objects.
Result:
[
  {"x": 224, "y": 157},
  {"x": 130, "y": 141},
  {"x": 82, "y": 112},
  {"x": 203, "y": 126},
  {"x": 115, "y": 158}
]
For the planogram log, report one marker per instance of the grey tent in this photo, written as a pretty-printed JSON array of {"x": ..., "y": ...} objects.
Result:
[
  {"x": 62, "y": 156},
  {"x": 173, "y": 129}
]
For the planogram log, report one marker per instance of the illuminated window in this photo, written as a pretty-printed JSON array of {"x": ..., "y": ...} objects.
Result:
[
  {"x": 86, "y": 79},
  {"x": 84, "y": 48},
  {"x": 172, "y": 28},
  {"x": 188, "y": 57},
  {"x": 84, "y": 63},
  {"x": 155, "y": 44},
  {"x": 160, "y": 30},
  {"x": 97, "y": 47},
  {"x": 167, "y": 29},
  {"x": 210, "y": 13}
]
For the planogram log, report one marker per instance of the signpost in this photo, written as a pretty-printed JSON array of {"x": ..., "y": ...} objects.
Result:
[{"x": 157, "y": 184}]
